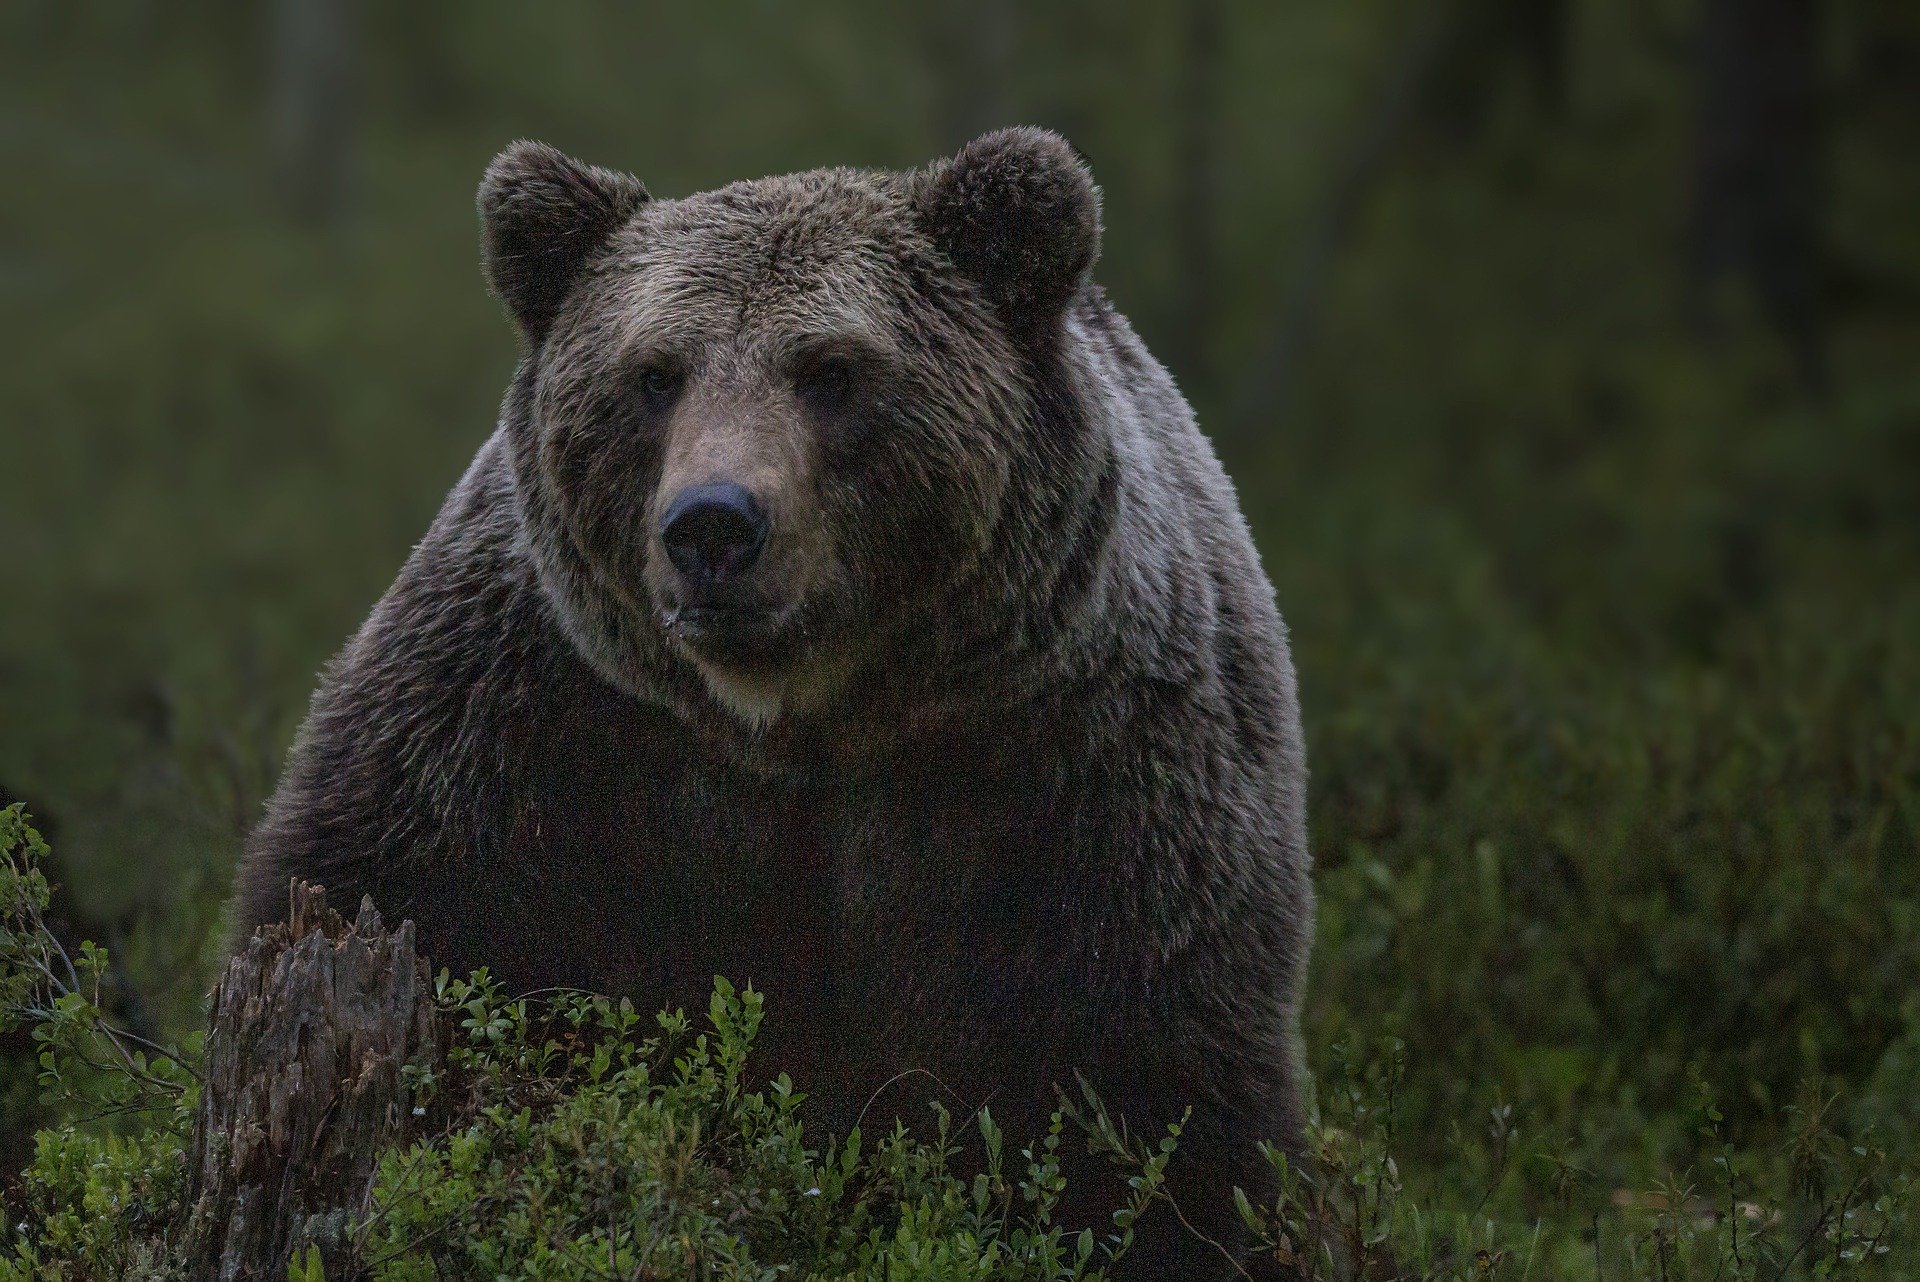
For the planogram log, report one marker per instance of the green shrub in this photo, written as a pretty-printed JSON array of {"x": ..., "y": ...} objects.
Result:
[
  {"x": 99, "y": 1191},
  {"x": 578, "y": 1149}
]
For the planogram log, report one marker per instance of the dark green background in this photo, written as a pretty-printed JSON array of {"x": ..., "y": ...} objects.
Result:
[{"x": 1604, "y": 575}]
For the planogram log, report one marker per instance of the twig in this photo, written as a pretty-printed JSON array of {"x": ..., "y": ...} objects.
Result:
[
  {"x": 899, "y": 1076},
  {"x": 1187, "y": 1224}
]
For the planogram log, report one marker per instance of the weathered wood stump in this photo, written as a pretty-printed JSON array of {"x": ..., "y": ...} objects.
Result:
[{"x": 302, "y": 1087}]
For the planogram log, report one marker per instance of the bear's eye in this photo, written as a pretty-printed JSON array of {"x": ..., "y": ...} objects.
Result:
[
  {"x": 660, "y": 382},
  {"x": 829, "y": 381}
]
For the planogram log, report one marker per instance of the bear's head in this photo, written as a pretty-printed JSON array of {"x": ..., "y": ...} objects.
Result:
[{"x": 764, "y": 434}]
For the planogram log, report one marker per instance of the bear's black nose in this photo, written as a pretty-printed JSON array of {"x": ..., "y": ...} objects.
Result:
[{"x": 713, "y": 532}]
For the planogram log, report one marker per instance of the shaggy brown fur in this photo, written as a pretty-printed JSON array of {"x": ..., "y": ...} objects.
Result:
[{"x": 988, "y": 767}]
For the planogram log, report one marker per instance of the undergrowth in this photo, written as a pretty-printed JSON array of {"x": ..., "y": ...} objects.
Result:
[{"x": 572, "y": 1138}]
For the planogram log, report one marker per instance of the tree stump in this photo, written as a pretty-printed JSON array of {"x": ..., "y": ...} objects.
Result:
[{"x": 302, "y": 1087}]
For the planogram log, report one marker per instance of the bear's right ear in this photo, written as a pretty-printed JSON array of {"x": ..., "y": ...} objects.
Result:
[{"x": 541, "y": 214}]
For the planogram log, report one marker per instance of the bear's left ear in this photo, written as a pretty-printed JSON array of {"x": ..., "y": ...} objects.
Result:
[
  {"x": 542, "y": 213},
  {"x": 1017, "y": 212}
]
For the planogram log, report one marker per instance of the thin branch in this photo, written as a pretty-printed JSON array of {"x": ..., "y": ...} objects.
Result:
[{"x": 1187, "y": 1224}]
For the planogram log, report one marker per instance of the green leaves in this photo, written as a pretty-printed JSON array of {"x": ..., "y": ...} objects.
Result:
[
  {"x": 584, "y": 1149},
  {"x": 58, "y": 993},
  {"x": 309, "y": 1268}
]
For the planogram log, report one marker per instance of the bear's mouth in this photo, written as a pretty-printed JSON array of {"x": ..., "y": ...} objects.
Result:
[{"x": 729, "y": 634}]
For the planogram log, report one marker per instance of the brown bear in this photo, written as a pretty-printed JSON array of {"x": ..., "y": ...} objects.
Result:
[{"x": 848, "y": 604}]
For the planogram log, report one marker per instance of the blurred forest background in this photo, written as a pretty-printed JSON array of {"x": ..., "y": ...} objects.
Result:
[{"x": 1566, "y": 354}]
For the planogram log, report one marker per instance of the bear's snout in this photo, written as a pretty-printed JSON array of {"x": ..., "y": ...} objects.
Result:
[{"x": 713, "y": 533}]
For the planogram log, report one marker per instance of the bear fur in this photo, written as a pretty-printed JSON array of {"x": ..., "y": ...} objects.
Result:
[{"x": 989, "y": 772}]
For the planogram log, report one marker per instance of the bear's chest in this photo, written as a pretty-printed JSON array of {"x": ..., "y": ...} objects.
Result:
[
  {"x": 911, "y": 920},
  {"x": 646, "y": 870},
  {"x": 965, "y": 895}
]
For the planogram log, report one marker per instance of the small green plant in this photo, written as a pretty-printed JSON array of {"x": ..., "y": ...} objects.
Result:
[
  {"x": 578, "y": 1148},
  {"x": 58, "y": 994},
  {"x": 97, "y": 1190}
]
